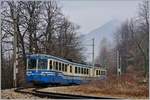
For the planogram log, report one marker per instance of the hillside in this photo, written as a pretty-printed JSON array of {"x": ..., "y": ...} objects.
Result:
[{"x": 105, "y": 31}]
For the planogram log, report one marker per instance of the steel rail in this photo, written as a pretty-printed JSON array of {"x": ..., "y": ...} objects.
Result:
[{"x": 54, "y": 95}]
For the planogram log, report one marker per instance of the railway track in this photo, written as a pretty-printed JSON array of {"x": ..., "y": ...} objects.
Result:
[{"x": 52, "y": 95}]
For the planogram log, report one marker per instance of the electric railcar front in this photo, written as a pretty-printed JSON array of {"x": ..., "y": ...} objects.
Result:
[{"x": 37, "y": 70}]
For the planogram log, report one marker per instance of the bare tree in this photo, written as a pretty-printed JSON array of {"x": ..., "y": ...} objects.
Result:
[
  {"x": 123, "y": 38},
  {"x": 51, "y": 21},
  {"x": 68, "y": 40},
  {"x": 102, "y": 59},
  {"x": 32, "y": 10},
  {"x": 143, "y": 27},
  {"x": 39, "y": 25},
  {"x": 133, "y": 40},
  {"x": 140, "y": 33},
  {"x": 11, "y": 19}
]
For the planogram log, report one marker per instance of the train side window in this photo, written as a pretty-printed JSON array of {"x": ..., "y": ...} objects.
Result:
[
  {"x": 84, "y": 70},
  {"x": 59, "y": 66},
  {"x": 81, "y": 70},
  {"x": 50, "y": 64},
  {"x": 65, "y": 67},
  {"x": 99, "y": 72},
  {"x": 96, "y": 72},
  {"x": 102, "y": 72},
  {"x": 42, "y": 63},
  {"x": 75, "y": 69},
  {"x": 70, "y": 69},
  {"x": 56, "y": 65},
  {"x": 87, "y": 71}
]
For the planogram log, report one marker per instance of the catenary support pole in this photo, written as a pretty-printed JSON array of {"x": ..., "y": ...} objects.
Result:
[{"x": 93, "y": 54}]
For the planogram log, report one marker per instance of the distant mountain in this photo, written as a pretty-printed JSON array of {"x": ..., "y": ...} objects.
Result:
[{"x": 105, "y": 31}]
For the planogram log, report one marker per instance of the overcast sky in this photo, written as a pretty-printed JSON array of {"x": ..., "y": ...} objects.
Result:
[{"x": 91, "y": 14}]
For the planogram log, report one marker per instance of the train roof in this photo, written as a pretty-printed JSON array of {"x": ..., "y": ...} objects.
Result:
[{"x": 45, "y": 56}]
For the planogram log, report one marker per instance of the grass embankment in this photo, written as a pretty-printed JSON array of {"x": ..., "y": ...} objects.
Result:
[{"x": 127, "y": 86}]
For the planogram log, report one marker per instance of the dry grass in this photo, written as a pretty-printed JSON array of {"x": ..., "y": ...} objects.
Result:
[{"x": 126, "y": 86}]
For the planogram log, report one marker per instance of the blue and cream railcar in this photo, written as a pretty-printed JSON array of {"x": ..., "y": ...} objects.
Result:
[{"x": 47, "y": 69}]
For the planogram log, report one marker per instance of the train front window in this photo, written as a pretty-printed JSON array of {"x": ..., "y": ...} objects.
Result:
[
  {"x": 32, "y": 64},
  {"x": 42, "y": 64}
]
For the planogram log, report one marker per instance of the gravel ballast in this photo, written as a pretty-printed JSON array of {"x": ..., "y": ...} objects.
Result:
[{"x": 11, "y": 94}]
